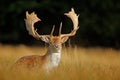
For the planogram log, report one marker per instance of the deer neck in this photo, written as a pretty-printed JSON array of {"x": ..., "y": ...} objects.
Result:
[{"x": 54, "y": 56}]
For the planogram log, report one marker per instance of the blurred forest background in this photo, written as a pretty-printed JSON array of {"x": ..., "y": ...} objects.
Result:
[{"x": 99, "y": 21}]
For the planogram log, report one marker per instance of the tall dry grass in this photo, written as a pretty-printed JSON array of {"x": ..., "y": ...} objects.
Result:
[{"x": 76, "y": 64}]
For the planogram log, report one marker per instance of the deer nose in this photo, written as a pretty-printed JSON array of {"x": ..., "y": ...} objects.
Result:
[{"x": 56, "y": 46}]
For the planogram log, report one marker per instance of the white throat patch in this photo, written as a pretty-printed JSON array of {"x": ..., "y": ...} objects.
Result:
[{"x": 54, "y": 60}]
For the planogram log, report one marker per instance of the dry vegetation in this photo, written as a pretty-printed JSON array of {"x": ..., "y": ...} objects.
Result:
[{"x": 76, "y": 64}]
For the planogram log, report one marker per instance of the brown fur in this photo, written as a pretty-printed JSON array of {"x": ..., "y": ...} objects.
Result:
[{"x": 33, "y": 61}]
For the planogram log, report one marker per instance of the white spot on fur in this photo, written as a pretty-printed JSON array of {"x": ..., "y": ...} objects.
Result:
[{"x": 54, "y": 60}]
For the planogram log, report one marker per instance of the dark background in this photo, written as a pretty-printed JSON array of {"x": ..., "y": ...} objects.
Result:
[{"x": 99, "y": 21}]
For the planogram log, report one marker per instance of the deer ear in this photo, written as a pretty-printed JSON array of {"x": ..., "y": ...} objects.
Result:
[
  {"x": 64, "y": 39},
  {"x": 45, "y": 39}
]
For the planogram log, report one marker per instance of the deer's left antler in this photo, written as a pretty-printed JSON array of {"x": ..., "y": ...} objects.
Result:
[{"x": 74, "y": 17}]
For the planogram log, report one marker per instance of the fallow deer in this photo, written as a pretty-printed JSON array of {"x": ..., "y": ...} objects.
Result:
[{"x": 52, "y": 57}]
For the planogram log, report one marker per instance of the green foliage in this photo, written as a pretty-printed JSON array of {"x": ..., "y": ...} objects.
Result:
[{"x": 98, "y": 21}]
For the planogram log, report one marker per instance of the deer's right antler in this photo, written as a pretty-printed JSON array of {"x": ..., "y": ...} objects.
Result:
[{"x": 30, "y": 20}]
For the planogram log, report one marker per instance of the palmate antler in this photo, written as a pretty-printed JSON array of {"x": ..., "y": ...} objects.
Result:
[
  {"x": 32, "y": 18},
  {"x": 74, "y": 17}
]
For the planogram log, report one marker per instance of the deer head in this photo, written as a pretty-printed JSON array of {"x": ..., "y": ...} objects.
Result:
[{"x": 32, "y": 18}]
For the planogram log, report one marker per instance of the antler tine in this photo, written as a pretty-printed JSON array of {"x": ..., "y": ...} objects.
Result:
[
  {"x": 60, "y": 29},
  {"x": 74, "y": 17},
  {"x": 52, "y": 30},
  {"x": 30, "y": 20}
]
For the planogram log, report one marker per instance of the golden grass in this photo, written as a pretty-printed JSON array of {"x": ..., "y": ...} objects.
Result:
[{"x": 76, "y": 64}]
